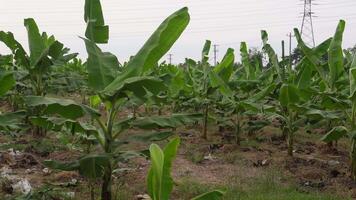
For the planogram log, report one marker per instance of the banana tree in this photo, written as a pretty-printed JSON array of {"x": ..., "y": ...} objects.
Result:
[
  {"x": 114, "y": 89},
  {"x": 159, "y": 179},
  {"x": 327, "y": 60},
  {"x": 290, "y": 96},
  {"x": 12, "y": 120},
  {"x": 45, "y": 52},
  {"x": 216, "y": 83},
  {"x": 341, "y": 131},
  {"x": 249, "y": 88}
]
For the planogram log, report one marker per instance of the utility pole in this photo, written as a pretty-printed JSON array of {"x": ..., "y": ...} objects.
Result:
[
  {"x": 170, "y": 58},
  {"x": 290, "y": 50},
  {"x": 215, "y": 53},
  {"x": 283, "y": 55},
  {"x": 307, "y": 30}
]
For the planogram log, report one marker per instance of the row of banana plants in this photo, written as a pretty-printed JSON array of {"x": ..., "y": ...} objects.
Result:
[{"x": 315, "y": 90}]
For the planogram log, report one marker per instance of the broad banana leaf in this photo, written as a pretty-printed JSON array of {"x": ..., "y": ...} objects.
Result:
[
  {"x": 159, "y": 180},
  {"x": 7, "y": 82},
  {"x": 12, "y": 120},
  {"x": 150, "y": 137},
  {"x": 335, "y": 134},
  {"x": 288, "y": 95},
  {"x": 217, "y": 82},
  {"x": 140, "y": 86},
  {"x": 205, "y": 52},
  {"x": 272, "y": 56},
  {"x": 314, "y": 55},
  {"x": 16, "y": 48},
  {"x": 263, "y": 93},
  {"x": 102, "y": 66},
  {"x": 90, "y": 166},
  {"x": 153, "y": 50},
  {"x": 38, "y": 44},
  {"x": 336, "y": 58},
  {"x": 245, "y": 59},
  {"x": 64, "y": 107},
  {"x": 93, "y": 15},
  {"x": 172, "y": 121},
  {"x": 352, "y": 77},
  {"x": 225, "y": 67}
]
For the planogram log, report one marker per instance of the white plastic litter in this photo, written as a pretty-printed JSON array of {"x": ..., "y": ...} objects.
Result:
[
  {"x": 5, "y": 172},
  {"x": 23, "y": 186}
]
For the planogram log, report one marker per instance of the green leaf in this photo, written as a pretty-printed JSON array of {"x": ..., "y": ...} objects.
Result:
[
  {"x": 64, "y": 107},
  {"x": 335, "y": 134},
  {"x": 93, "y": 15},
  {"x": 288, "y": 94},
  {"x": 12, "y": 120},
  {"x": 172, "y": 121},
  {"x": 263, "y": 93},
  {"x": 152, "y": 51},
  {"x": 37, "y": 45},
  {"x": 69, "y": 166},
  {"x": 57, "y": 124},
  {"x": 90, "y": 166},
  {"x": 225, "y": 67},
  {"x": 336, "y": 58},
  {"x": 272, "y": 56},
  {"x": 7, "y": 82},
  {"x": 93, "y": 166},
  {"x": 212, "y": 195},
  {"x": 245, "y": 59},
  {"x": 16, "y": 48},
  {"x": 217, "y": 82},
  {"x": 154, "y": 178},
  {"x": 102, "y": 66},
  {"x": 139, "y": 86},
  {"x": 170, "y": 152},
  {"x": 314, "y": 55},
  {"x": 205, "y": 52},
  {"x": 322, "y": 114},
  {"x": 352, "y": 77},
  {"x": 150, "y": 137},
  {"x": 304, "y": 76},
  {"x": 159, "y": 180}
]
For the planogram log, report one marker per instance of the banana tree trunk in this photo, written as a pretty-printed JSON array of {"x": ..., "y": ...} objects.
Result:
[
  {"x": 353, "y": 159},
  {"x": 290, "y": 141},
  {"x": 106, "y": 193},
  {"x": 237, "y": 130},
  {"x": 205, "y": 123}
]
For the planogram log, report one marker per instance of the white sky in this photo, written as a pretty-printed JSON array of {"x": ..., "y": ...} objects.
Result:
[{"x": 225, "y": 22}]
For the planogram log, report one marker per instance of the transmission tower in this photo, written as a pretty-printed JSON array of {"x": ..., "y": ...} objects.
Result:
[{"x": 307, "y": 30}]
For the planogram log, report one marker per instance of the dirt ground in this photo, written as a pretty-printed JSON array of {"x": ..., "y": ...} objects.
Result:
[{"x": 314, "y": 167}]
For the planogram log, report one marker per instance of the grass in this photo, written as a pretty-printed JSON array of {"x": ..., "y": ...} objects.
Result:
[{"x": 267, "y": 187}]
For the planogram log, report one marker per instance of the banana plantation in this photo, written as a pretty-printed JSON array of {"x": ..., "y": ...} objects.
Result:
[{"x": 265, "y": 126}]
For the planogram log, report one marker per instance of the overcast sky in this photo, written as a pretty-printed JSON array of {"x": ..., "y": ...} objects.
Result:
[{"x": 225, "y": 22}]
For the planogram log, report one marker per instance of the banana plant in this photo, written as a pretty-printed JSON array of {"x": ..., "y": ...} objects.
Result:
[
  {"x": 12, "y": 120},
  {"x": 45, "y": 52},
  {"x": 216, "y": 83},
  {"x": 341, "y": 131},
  {"x": 159, "y": 180},
  {"x": 332, "y": 78},
  {"x": 290, "y": 97},
  {"x": 115, "y": 88}
]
